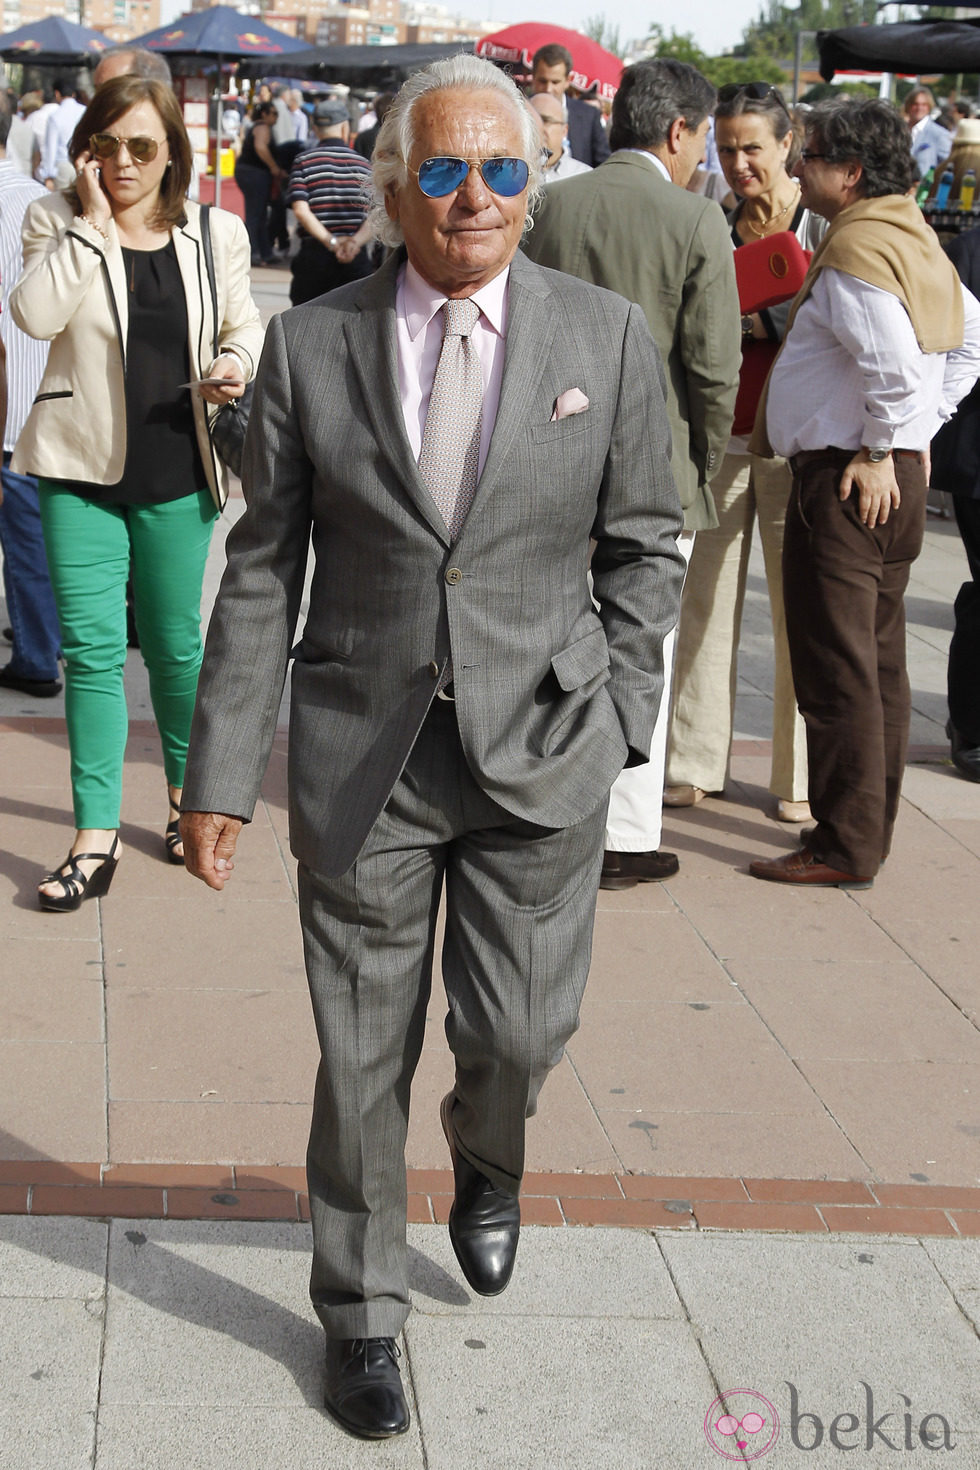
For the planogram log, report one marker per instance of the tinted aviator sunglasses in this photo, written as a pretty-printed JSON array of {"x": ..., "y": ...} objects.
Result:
[
  {"x": 140, "y": 150},
  {"x": 441, "y": 176}
]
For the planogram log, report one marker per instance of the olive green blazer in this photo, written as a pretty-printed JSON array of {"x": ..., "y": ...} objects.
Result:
[{"x": 625, "y": 227}]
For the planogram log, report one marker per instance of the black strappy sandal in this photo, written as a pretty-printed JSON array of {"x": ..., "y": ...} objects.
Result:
[
  {"x": 75, "y": 885},
  {"x": 172, "y": 838}
]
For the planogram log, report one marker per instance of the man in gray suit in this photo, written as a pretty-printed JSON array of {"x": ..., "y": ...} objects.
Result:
[
  {"x": 632, "y": 227},
  {"x": 450, "y": 433}
]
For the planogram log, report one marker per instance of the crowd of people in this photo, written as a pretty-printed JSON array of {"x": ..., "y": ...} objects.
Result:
[{"x": 526, "y": 415}]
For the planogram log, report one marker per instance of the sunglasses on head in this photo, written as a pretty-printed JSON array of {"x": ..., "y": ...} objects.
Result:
[
  {"x": 758, "y": 91},
  {"x": 140, "y": 150},
  {"x": 440, "y": 176}
]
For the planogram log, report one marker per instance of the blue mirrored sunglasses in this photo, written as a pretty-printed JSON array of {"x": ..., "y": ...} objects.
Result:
[{"x": 440, "y": 176}]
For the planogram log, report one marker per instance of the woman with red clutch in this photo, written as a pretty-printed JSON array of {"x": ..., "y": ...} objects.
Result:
[{"x": 757, "y": 146}]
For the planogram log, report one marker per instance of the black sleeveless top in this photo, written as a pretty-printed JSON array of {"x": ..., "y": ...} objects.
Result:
[{"x": 162, "y": 458}]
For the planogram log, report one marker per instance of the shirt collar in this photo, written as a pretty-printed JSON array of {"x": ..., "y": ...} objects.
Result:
[
  {"x": 651, "y": 158},
  {"x": 422, "y": 301}
]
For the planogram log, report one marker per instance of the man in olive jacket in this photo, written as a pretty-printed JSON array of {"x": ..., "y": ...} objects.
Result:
[{"x": 631, "y": 226}]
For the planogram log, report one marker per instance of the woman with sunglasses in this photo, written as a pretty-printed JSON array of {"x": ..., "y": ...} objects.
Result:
[
  {"x": 115, "y": 278},
  {"x": 757, "y": 145}
]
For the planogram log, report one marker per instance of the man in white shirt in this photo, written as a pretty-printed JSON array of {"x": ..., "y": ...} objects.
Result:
[
  {"x": 36, "y": 636},
  {"x": 301, "y": 123},
  {"x": 882, "y": 344},
  {"x": 554, "y": 130},
  {"x": 56, "y": 171}
]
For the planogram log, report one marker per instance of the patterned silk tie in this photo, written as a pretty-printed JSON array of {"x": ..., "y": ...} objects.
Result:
[{"x": 450, "y": 453}]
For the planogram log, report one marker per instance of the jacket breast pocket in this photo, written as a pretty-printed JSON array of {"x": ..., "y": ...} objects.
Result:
[
  {"x": 561, "y": 429},
  {"x": 61, "y": 393}
]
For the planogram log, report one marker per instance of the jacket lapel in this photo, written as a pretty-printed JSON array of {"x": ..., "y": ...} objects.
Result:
[
  {"x": 115, "y": 269},
  {"x": 197, "y": 292},
  {"x": 531, "y": 328},
  {"x": 370, "y": 336}
]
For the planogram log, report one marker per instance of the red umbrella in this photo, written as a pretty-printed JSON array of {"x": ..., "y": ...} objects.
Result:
[{"x": 592, "y": 65}]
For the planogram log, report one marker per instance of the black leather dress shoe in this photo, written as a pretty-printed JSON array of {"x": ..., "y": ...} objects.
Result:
[
  {"x": 39, "y": 688},
  {"x": 966, "y": 757},
  {"x": 626, "y": 869},
  {"x": 484, "y": 1222},
  {"x": 363, "y": 1390}
]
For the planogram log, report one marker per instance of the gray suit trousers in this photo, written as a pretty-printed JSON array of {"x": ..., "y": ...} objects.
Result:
[{"x": 520, "y": 905}]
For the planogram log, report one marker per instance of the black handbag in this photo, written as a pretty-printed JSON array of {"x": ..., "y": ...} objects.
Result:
[{"x": 227, "y": 427}]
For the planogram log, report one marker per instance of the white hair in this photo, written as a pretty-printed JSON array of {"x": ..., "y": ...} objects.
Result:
[{"x": 396, "y": 138}]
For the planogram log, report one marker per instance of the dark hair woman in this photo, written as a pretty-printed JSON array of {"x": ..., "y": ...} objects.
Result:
[
  {"x": 758, "y": 144},
  {"x": 114, "y": 277},
  {"x": 255, "y": 173}
]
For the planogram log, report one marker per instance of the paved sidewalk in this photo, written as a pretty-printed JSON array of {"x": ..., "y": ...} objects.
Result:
[
  {"x": 170, "y": 1345},
  {"x": 777, "y": 1090},
  {"x": 734, "y": 1034}
]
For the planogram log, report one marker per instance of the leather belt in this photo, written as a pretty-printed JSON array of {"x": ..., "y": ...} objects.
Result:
[{"x": 808, "y": 456}]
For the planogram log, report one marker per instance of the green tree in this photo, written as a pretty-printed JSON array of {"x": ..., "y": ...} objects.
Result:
[
  {"x": 720, "y": 70},
  {"x": 598, "y": 29},
  {"x": 774, "y": 32},
  {"x": 678, "y": 46}
]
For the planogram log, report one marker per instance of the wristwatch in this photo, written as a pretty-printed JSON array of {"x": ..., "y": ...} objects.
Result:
[
  {"x": 877, "y": 455},
  {"x": 747, "y": 326}
]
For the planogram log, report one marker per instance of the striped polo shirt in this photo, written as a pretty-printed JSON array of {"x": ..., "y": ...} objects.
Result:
[
  {"x": 333, "y": 180},
  {"x": 26, "y": 357}
]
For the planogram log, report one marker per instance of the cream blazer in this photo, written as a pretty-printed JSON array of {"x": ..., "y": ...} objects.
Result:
[{"x": 73, "y": 294}]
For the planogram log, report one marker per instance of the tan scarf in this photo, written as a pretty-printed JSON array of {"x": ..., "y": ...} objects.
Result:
[{"x": 901, "y": 255}]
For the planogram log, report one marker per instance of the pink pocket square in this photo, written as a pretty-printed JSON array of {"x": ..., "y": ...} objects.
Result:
[{"x": 573, "y": 400}]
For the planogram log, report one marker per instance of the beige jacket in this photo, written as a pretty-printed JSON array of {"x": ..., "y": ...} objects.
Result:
[{"x": 73, "y": 294}]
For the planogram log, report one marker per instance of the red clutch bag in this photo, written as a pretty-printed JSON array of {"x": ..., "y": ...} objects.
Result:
[
  {"x": 770, "y": 271},
  {"x": 767, "y": 272}
]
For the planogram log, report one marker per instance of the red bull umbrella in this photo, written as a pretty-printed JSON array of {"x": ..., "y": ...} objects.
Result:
[
  {"x": 592, "y": 64},
  {"x": 53, "y": 42},
  {"x": 219, "y": 31}
]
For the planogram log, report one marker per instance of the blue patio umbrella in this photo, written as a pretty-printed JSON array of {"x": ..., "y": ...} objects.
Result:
[
  {"x": 53, "y": 42},
  {"x": 223, "y": 33}
]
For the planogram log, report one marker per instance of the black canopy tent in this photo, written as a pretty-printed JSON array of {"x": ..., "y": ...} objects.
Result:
[
  {"x": 911, "y": 48},
  {"x": 359, "y": 66}
]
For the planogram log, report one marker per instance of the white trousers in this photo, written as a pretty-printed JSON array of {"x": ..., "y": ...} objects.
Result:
[
  {"x": 635, "y": 819},
  {"x": 745, "y": 487}
]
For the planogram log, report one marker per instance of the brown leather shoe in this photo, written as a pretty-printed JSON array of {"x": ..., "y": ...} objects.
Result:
[
  {"x": 805, "y": 868},
  {"x": 626, "y": 869}
]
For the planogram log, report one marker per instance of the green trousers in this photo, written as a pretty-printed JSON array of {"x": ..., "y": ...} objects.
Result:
[{"x": 92, "y": 550}]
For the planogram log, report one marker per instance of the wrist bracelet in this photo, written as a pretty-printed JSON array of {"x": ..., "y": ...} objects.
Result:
[
  {"x": 230, "y": 352},
  {"x": 83, "y": 219}
]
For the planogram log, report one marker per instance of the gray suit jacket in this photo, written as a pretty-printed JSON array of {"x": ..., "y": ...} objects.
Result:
[
  {"x": 624, "y": 227},
  {"x": 552, "y": 697}
]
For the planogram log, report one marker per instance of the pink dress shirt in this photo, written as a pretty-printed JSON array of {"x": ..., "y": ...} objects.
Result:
[{"x": 419, "y": 335}]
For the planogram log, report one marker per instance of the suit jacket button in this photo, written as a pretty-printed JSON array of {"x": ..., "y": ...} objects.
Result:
[
  {"x": 453, "y": 576},
  {"x": 434, "y": 669}
]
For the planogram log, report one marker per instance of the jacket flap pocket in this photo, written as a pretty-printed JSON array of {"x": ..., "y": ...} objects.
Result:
[{"x": 582, "y": 660}]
